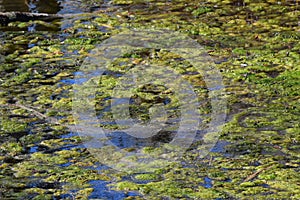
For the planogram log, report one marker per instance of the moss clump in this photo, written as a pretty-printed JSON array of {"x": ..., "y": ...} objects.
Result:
[
  {"x": 126, "y": 185},
  {"x": 13, "y": 126},
  {"x": 201, "y": 10},
  {"x": 12, "y": 148},
  {"x": 254, "y": 45},
  {"x": 149, "y": 177}
]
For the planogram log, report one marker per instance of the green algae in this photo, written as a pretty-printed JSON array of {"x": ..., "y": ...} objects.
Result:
[
  {"x": 13, "y": 148},
  {"x": 12, "y": 126},
  {"x": 255, "y": 45},
  {"x": 263, "y": 127},
  {"x": 126, "y": 185},
  {"x": 150, "y": 177},
  {"x": 201, "y": 10}
]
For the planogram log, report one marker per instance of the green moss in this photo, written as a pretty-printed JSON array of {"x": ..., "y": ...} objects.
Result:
[
  {"x": 146, "y": 177},
  {"x": 31, "y": 61},
  {"x": 201, "y": 10},
  {"x": 12, "y": 126},
  {"x": 257, "y": 54},
  {"x": 43, "y": 197},
  {"x": 7, "y": 67},
  {"x": 20, "y": 78},
  {"x": 84, "y": 194},
  {"x": 12, "y": 148},
  {"x": 126, "y": 185},
  {"x": 206, "y": 194}
]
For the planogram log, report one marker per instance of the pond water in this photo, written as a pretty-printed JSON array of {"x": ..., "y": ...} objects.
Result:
[
  {"x": 51, "y": 6},
  {"x": 254, "y": 46}
]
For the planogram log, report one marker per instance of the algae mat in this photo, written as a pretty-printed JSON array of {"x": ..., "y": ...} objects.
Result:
[{"x": 255, "y": 46}]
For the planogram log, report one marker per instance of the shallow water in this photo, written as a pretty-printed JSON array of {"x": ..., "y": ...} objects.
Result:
[
  {"x": 254, "y": 45},
  {"x": 51, "y": 6}
]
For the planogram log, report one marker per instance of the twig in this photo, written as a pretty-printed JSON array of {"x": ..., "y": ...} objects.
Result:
[
  {"x": 38, "y": 114},
  {"x": 6, "y": 17},
  {"x": 252, "y": 176},
  {"x": 210, "y": 160}
]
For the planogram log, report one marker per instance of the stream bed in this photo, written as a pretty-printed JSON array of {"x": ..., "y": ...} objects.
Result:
[{"x": 45, "y": 153}]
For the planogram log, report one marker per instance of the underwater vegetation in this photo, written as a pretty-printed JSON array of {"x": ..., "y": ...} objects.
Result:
[{"x": 255, "y": 46}]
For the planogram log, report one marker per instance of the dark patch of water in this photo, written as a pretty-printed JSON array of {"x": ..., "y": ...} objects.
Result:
[
  {"x": 47, "y": 6},
  {"x": 101, "y": 191},
  {"x": 220, "y": 146},
  {"x": 98, "y": 166},
  {"x": 13, "y": 5},
  {"x": 67, "y": 196},
  {"x": 65, "y": 164},
  {"x": 33, "y": 149},
  {"x": 124, "y": 140},
  {"x": 69, "y": 81},
  {"x": 42, "y": 184},
  {"x": 69, "y": 135},
  {"x": 265, "y": 185},
  {"x": 207, "y": 182}
]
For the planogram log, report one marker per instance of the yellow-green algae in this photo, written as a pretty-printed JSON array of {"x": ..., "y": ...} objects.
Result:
[{"x": 255, "y": 46}]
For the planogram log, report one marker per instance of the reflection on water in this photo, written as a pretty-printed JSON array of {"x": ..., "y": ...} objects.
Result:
[
  {"x": 101, "y": 191},
  {"x": 13, "y": 5},
  {"x": 52, "y": 6},
  {"x": 83, "y": 6},
  {"x": 44, "y": 6},
  {"x": 36, "y": 6}
]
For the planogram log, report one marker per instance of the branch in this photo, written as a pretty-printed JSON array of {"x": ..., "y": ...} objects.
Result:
[
  {"x": 38, "y": 114},
  {"x": 252, "y": 176},
  {"x": 6, "y": 17}
]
